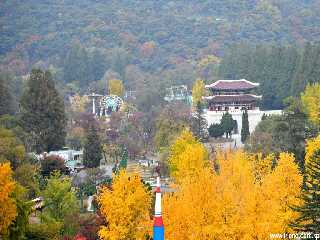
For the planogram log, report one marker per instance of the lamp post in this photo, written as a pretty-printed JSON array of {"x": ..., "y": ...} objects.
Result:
[{"x": 94, "y": 96}]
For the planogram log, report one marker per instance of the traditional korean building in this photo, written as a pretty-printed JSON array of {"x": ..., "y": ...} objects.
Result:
[{"x": 232, "y": 95}]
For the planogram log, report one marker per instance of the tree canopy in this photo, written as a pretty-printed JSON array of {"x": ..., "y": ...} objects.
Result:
[
  {"x": 125, "y": 208},
  {"x": 198, "y": 91},
  {"x": 309, "y": 211},
  {"x": 92, "y": 149},
  {"x": 310, "y": 101},
  {"x": 42, "y": 113},
  {"x": 8, "y": 208}
]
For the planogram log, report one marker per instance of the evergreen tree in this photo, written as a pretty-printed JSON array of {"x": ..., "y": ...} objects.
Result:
[
  {"x": 308, "y": 70},
  {"x": 124, "y": 159},
  {"x": 245, "y": 127},
  {"x": 42, "y": 113},
  {"x": 6, "y": 98},
  {"x": 98, "y": 65},
  {"x": 92, "y": 149},
  {"x": 120, "y": 59},
  {"x": 227, "y": 124},
  {"x": 272, "y": 66},
  {"x": 298, "y": 130},
  {"x": 309, "y": 219},
  {"x": 77, "y": 67},
  {"x": 199, "y": 123},
  {"x": 215, "y": 130}
]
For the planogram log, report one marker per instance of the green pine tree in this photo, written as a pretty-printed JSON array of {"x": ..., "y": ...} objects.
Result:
[
  {"x": 77, "y": 67},
  {"x": 6, "y": 98},
  {"x": 308, "y": 70},
  {"x": 273, "y": 67},
  {"x": 215, "y": 130},
  {"x": 42, "y": 113},
  {"x": 92, "y": 149},
  {"x": 309, "y": 219},
  {"x": 227, "y": 124},
  {"x": 124, "y": 159},
  {"x": 200, "y": 124},
  {"x": 245, "y": 127}
]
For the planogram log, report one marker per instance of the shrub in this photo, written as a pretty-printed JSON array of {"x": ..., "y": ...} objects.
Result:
[
  {"x": 52, "y": 163},
  {"x": 215, "y": 130}
]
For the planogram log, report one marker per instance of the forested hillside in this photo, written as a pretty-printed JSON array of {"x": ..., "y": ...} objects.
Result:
[
  {"x": 149, "y": 43},
  {"x": 157, "y": 34},
  {"x": 99, "y": 140},
  {"x": 281, "y": 71}
]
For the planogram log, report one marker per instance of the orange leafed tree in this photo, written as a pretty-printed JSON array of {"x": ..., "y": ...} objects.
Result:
[
  {"x": 8, "y": 210},
  {"x": 125, "y": 208}
]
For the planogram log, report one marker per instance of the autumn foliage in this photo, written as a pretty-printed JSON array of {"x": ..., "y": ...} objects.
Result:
[
  {"x": 8, "y": 210},
  {"x": 116, "y": 87},
  {"x": 309, "y": 211},
  {"x": 198, "y": 91},
  {"x": 78, "y": 103},
  {"x": 310, "y": 101},
  {"x": 187, "y": 156},
  {"x": 125, "y": 208},
  {"x": 244, "y": 198}
]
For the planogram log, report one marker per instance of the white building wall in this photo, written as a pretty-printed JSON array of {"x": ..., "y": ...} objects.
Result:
[{"x": 254, "y": 117}]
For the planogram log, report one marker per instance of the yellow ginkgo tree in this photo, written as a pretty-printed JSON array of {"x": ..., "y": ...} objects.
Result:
[
  {"x": 116, "y": 87},
  {"x": 125, "y": 208},
  {"x": 240, "y": 199},
  {"x": 311, "y": 101},
  {"x": 8, "y": 209},
  {"x": 187, "y": 156},
  {"x": 198, "y": 91}
]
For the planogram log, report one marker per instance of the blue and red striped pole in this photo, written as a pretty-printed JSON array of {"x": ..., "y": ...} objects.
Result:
[{"x": 158, "y": 229}]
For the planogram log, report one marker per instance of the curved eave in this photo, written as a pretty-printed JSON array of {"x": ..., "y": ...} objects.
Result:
[
  {"x": 232, "y": 85},
  {"x": 233, "y": 98},
  {"x": 216, "y": 96}
]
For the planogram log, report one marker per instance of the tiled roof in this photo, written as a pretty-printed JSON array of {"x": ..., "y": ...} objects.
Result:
[
  {"x": 233, "y": 98},
  {"x": 232, "y": 85}
]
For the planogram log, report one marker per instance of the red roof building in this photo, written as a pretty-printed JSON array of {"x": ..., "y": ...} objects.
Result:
[{"x": 232, "y": 95}]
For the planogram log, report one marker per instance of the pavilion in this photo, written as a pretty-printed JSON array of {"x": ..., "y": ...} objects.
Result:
[{"x": 232, "y": 95}]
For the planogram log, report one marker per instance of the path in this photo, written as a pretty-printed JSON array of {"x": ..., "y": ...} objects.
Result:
[{"x": 144, "y": 172}]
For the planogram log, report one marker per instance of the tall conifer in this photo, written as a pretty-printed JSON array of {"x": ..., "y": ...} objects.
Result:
[
  {"x": 245, "y": 127},
  {"x": 199, "y": 123},
  {"x": 227, "y": 124},
  {"x": 309, "y": 219},
  {"x": 92, "y": 149},
  {"x": 42, "y": 113},
  {"x": 6, "y": 98}
]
